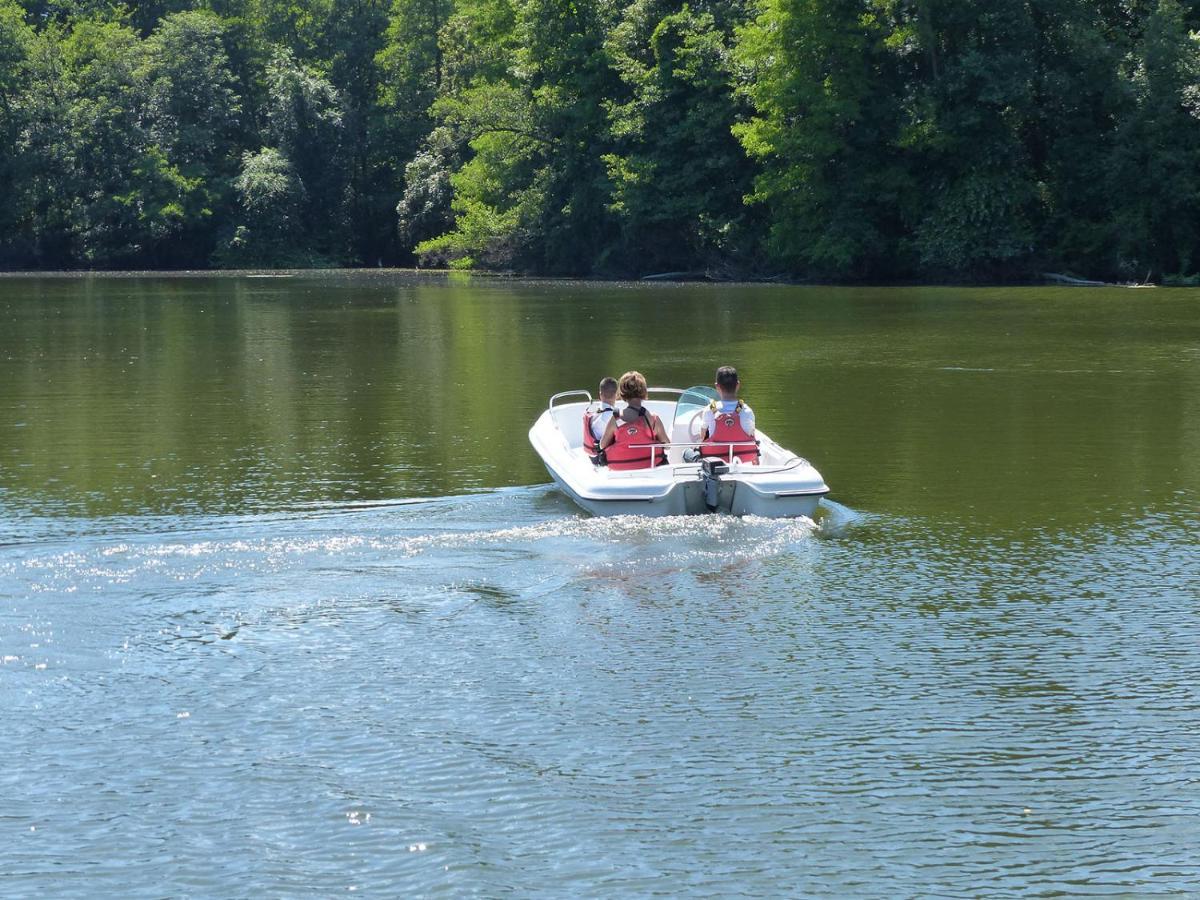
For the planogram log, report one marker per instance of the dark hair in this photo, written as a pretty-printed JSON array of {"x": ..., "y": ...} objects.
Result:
[
  {"x": 608, "y": 385},
  {"x": 727, "y": 377}
]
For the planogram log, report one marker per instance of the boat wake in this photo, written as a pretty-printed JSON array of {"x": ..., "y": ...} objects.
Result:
[{"x": 518, "y": 538}]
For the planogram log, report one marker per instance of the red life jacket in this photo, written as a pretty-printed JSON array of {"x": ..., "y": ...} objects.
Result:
[
  {"x": 727, "y": 430},
  {"x": 591, "y": 446},
  {"x": 623, "y": 455}
]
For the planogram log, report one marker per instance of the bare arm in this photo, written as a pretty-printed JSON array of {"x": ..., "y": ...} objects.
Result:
[
  {"x": 659, "y": 431},
  {"x": 610, "y": 432}
]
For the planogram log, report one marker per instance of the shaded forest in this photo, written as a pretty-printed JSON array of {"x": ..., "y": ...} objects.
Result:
[{"x": 827, "y": 139}]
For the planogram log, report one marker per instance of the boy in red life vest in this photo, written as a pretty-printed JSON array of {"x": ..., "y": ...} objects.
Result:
[
  {"x": 635, "y": 437},
  {"x": 596, "y": 421},
  {"x": 729, "y": 422}
]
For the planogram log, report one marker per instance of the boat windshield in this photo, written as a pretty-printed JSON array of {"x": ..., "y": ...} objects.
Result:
[{"x": 694, "y": 399}]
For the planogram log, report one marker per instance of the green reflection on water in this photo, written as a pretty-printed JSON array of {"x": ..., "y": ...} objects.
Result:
[{"x": 1008, "y": 407}]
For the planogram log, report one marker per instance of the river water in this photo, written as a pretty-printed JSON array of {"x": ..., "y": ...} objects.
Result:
[{"x": 288, "y": 608}]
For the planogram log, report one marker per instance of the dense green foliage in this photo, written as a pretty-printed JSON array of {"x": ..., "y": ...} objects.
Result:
[{"x": 833, "y": 139}]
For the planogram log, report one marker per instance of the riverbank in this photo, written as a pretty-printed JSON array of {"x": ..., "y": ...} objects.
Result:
[{"x": 669, "y": 278}]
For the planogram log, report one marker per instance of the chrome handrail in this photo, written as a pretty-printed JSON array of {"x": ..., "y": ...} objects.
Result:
[
  {"x": 587, "y": 394},
  {"x": 784, "y": 466},
  {"x": 689, "y": 443},
  {"x": 729, "y": 444}
]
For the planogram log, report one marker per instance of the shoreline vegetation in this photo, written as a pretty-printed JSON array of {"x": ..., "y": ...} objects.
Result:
[
  {"x": 833, "y": 142},
  {"x": 667, "y": 278}
]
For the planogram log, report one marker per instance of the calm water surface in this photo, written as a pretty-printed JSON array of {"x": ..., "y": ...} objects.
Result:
[{"x": 287, "y": 608}]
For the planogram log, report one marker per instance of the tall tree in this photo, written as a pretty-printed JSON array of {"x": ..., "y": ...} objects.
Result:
[
  {"x": 195, "y": 113},
  {"x": 827, "y": 90},
  {"x": 976, "y": 169},
  {"x": 270, "y": 199},
  {"x": 1155, "y": 174},
  {"x": 439, "y": 50},
  {"x": 16, "y": 42},
  {"x": 103, "y": 192},
  {"x": 305, "y": 122},
  {"x": 1076, "y": 101},
  {"x": 354, "y": 39},
  {"x": 679, "y": 175},
  {"x": 535, "y": 194}
]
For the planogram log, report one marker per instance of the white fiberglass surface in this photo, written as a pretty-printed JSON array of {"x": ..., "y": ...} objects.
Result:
[{"x": 567, "y": 418}]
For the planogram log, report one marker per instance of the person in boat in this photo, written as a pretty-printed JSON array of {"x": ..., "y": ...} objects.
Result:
[
  {"x": 595, "y": 421},
  {"x": 634, "y": 438},
  {"x": 729, "y": 422}
]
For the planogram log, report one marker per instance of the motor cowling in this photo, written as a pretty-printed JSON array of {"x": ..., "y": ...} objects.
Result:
[{"x": 711, "y": 471}]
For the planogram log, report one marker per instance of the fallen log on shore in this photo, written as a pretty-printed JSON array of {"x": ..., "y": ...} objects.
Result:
[
  {"x": 1077, "y": 282},
  {"x": 677, "y": 276},
  {"x": 1084, "y": 282}
]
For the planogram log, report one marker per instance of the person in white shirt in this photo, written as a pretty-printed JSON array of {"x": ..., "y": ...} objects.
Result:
[
  {"x": 727, "y": 385},
  {"x": 608, "y": 398}
]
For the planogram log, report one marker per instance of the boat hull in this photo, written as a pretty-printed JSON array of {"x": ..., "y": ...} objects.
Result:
[{"x": 785, "y": 486}]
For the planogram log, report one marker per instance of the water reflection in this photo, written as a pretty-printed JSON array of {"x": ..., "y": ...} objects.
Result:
[{"x": 1007, "y": 406}]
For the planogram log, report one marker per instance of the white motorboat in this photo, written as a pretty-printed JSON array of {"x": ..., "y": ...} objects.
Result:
[{"x": 779, "y": 485}]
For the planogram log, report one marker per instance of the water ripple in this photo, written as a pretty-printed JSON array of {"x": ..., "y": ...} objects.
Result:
[{"x": 494, "y": 695}]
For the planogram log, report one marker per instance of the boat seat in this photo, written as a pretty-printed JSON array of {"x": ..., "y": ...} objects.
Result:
[{"x": 569, "y": 419}]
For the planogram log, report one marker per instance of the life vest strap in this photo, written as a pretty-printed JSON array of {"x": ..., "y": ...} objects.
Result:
[{"x": 715, "y": 406}]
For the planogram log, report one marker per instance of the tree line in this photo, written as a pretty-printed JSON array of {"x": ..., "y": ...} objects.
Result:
[{"x": 826, "y": 139}]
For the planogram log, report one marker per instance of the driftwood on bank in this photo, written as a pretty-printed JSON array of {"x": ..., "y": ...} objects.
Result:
[
  {"x": 717, "y": 271},
  {"x": 1077, "y": 282},
  {"x": 677, "y": 276},
  {"x": 1084, "y": 282},
  {"x": 731, "y": 275}
]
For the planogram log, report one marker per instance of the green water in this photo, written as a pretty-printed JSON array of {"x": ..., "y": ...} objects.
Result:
[
  {"x": 287, "y": 607},
  {"x": 1003, "y": 406}
]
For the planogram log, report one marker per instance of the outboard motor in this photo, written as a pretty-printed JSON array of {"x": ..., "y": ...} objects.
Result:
[{"x": 711, "y": 471}]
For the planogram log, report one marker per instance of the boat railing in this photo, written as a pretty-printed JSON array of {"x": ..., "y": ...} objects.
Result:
[
  {"x": 782, "y": 467},
  {"x": 587, "y": 394}
]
